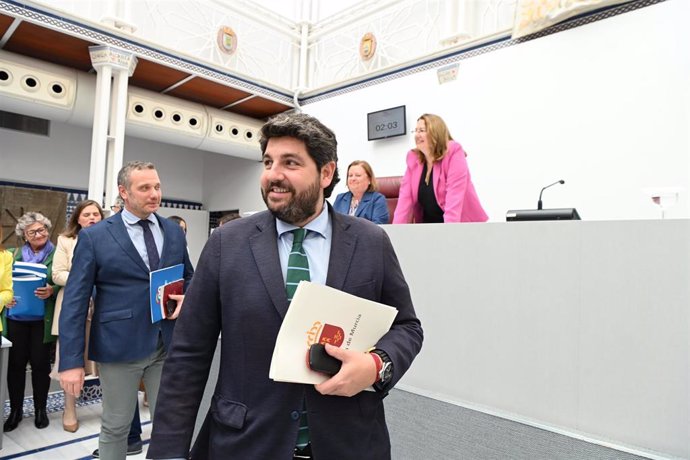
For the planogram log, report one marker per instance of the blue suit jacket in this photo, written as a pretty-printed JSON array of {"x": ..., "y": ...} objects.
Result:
[
  {"x": 238, "y": 288},
  {"x": 121, "y": 329},
  {"x": 373, "y": 206}
]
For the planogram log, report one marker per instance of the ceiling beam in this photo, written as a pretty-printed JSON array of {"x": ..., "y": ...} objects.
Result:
[
  {"x": 179, "y": 83},
  {"x": 239, "y": 102},
  {"x": 9, "y": 32}
]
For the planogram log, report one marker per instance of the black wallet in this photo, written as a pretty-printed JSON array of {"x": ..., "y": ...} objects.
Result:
[
  {"x": 170, "y": 307},
  {"x": 320, "y": 361}
]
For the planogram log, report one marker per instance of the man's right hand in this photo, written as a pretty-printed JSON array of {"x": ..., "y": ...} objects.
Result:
[{"x": 72, "y": 381}]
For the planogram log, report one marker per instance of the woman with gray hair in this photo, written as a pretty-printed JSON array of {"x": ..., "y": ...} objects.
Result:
[{"x": 31, "y": 334}]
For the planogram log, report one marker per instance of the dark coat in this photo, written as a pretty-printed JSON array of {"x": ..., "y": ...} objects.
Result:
[
  {"x": 372, "y": 207},
  {"x": 238, "y": 289}
]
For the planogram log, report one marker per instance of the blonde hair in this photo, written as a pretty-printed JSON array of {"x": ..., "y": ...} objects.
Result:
[
  {"x": 437, "y": 135},
  {"x": 373, "y": 186}
]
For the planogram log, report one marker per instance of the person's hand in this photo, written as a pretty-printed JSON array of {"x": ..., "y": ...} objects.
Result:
[
  {"x": 72, "y": 381},
  {"x": 44, "y": 292},
  {"x": 179, "y": 298},
  {"x": 357, "y": 373},
  {"x": 11, "y": 303}
]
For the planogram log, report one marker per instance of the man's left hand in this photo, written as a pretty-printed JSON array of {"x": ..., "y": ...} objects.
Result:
[
  {"x": 179, "y": 298},
  {"x": 357, "y": 373}
]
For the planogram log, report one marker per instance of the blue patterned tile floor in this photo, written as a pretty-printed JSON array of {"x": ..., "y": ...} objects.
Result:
[
  {"x": 56, "y": 401},
  {"x": 53, "y": 443}
]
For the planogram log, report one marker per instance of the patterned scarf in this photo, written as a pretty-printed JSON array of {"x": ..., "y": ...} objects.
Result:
[{"x": 38, "y": 258}]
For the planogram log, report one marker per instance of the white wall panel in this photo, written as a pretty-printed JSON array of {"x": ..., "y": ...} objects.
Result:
[
  {"x": 603, "y": 106},
  {"x": 232, "y": 183},
  {"x": 577, "y": 327},
  {"x": 62, "y": 160}
]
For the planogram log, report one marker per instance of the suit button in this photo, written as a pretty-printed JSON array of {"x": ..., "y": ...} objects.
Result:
[{"x": 294, "y": 415}]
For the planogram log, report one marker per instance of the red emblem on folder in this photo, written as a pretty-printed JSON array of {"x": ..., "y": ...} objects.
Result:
[
  {"x": 324, "y": 333},
  {"x": 332, "y": 334}
]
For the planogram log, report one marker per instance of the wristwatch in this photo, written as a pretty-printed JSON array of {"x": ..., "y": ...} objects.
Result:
[{"x": 386, "y": 371}]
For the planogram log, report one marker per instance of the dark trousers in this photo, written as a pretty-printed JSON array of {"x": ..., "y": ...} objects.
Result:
[
  {"x": 27, "y": 347},
  {"x": 135, "y": 429}
]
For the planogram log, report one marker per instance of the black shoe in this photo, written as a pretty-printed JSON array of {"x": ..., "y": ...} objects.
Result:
[
  {"x": 13, "y": 420},
  {"x": 41, "y": 420},
  {"x": 132, "y": 449},
  {"x": 135, "y": 448}
]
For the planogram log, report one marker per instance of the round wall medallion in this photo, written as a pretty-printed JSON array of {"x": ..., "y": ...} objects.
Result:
[
  {"x": 367, "y": 46},
  {"x": 227, "y": 40}
]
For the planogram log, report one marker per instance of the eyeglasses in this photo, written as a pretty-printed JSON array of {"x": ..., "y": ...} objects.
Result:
[
  {"x": 419, "y": 131},
  {"x": 38, "y": 231}
]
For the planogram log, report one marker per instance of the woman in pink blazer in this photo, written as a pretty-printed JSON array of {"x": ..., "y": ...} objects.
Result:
[{"x": 437, "y": 186}]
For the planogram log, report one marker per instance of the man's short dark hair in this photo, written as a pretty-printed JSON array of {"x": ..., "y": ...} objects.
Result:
[
  {"x": 124, "y": 176},
  {"x": 320, "y": 141},
  {"x": 225, "y": 218}
]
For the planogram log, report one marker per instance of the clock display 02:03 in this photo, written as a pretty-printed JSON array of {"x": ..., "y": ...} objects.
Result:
[{"x": 384, "y": 126}]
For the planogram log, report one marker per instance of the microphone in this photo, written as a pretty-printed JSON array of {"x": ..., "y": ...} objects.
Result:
[{"x": 539, "y": 204}]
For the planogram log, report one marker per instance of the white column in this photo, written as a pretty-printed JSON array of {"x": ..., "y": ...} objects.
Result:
[
  {"x": 107, "y": 144},
  {"x": 303, "y": 55},
  {"x": 118, "y": 115},
  {"x": 100, "y": 134},
  {"x": 456, "y": 22}
]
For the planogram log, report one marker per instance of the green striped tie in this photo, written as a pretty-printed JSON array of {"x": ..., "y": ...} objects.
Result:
[
  {"x": 298, "y": 264},
  {"x": 298, "y": 270}
]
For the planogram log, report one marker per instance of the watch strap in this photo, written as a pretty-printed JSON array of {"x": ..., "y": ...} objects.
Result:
[
  {"x": 386, "y": 370},
  {"x": 379, "y": 365}
]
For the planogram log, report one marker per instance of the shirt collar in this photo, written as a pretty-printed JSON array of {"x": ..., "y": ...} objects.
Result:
[
  {"x": 131, "y": 219},
  {"x": 318, "y": 225}
]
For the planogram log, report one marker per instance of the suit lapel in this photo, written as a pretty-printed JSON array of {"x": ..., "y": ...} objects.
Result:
[
  {"x": 347, "y": 201},
  {"x": 437, "y": 178},
  {"x": 415, "y": 179},
  {"x": 167, "y": 240},
  {"x": 343, "y": 244},
  {"x": 264, "y": 247},
  {"x": 119, "y": 233},
  {"x": 363, "y": 204}
]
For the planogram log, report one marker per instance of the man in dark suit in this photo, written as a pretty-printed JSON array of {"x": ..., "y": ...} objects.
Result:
[
  {"x": 239, "y": 288},
  {"x": 115, "y": 257}
]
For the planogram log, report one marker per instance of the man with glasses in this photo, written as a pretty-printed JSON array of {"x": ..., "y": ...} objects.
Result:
[{"x": 117, "y": 207}]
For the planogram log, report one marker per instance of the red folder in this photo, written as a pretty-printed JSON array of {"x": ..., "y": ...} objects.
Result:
[{"x": 169, "y": 305}]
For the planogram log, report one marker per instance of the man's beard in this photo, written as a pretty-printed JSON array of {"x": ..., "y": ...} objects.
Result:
[{"x": 299, "y": 208}]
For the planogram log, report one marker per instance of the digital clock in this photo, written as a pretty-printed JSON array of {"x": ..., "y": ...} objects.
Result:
[{"x": 386, "y": 123}]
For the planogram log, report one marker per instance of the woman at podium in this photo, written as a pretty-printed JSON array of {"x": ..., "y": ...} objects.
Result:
[
  {"x": 437, "y": 186},
  {"x": 362, "y": 199}
]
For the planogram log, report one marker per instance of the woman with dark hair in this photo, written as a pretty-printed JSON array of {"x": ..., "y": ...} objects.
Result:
[
  {"x": 86, "y": 214},
  {"x": 437, "y": 186},
  {"x": 362, "y": 199},
  {"x": 180, "y": 221},
  {"x": 30, "y": 334}
]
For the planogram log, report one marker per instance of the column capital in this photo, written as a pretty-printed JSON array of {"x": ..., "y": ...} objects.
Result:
[{"x": 104, "y": 55}]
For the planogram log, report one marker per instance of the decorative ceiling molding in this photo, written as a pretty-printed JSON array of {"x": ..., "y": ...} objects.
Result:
[{"x": 77, "y": 28}]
